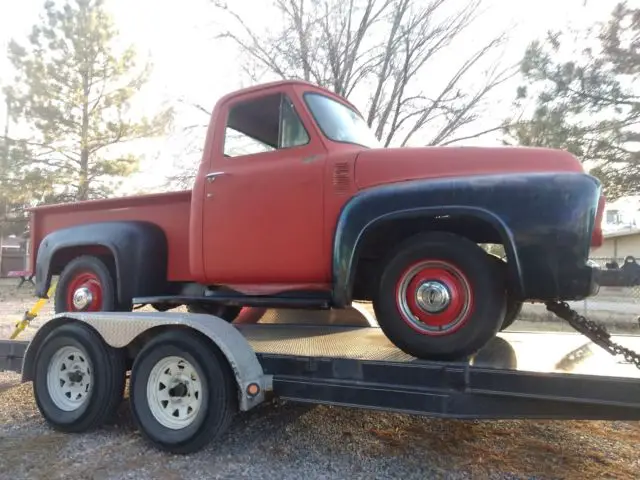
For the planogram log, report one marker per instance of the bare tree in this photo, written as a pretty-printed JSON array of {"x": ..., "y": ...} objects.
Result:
[{"x": 388, "y": 52}]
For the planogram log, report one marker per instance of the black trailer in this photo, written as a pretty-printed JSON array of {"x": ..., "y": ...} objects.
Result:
[{"x": 190, "y": 373}]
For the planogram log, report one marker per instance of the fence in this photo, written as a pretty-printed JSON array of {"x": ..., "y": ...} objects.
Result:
[{"x": 616, "y": 307}]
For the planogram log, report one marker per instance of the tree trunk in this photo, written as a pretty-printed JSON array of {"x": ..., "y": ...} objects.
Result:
[
  {"x": 5, "y": 153},
  {"x": 83, "y": 181}
]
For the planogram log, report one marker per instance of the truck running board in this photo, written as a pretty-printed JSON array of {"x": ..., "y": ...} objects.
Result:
[{"x": 302, "y": 301}]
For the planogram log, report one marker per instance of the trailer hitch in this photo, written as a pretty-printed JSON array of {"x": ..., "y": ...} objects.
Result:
[{"x": 593, "y": 331}]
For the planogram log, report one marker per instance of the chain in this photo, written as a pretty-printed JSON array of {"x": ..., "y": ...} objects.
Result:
[{"x": 596, "y": 333}]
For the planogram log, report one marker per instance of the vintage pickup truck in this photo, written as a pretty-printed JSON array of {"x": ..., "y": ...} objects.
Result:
[{"x": 296, "y": 205}]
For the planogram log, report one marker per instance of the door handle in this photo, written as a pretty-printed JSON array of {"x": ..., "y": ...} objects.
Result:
[{"x": 213, "y": 175}]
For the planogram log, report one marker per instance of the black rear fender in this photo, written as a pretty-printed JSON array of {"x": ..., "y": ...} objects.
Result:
[
  {"x": 137, "y": 250},
  {"x": 543, "y": 220}
]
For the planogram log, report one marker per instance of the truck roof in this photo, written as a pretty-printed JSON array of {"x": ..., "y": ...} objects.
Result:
[{"x": 291, "y": 82}]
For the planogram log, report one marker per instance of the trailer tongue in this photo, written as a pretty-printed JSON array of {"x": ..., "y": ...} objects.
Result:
[{"x": 190, "y": 373}]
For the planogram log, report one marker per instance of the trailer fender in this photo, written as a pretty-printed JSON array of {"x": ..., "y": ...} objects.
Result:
[
  {"x": 120, "y": 329},
  {"x": 139, "y": 250}
]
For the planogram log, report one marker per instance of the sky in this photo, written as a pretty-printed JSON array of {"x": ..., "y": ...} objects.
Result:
[{"x": 190, "y": 65}]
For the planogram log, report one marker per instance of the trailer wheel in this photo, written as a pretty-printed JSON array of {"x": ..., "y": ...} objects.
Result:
[
  {"x": 183, "y": 392},
  {"x": 440, "y": 297},
  {"x": 85, "y": 285},
  {"x": 78, "y": 379},
  {"x": 514, "y": 307}
]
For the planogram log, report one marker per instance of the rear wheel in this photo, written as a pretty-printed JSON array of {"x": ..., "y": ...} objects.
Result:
[
  {"x": 440, "y": 297},
  {"x": 86, "y": 285},
  {"x": 183, "y": 393}
]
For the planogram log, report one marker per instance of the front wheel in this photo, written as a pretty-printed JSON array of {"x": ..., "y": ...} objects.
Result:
[
  {"x": 440, "y": 297},
  {"x": 514, "y": 308}
]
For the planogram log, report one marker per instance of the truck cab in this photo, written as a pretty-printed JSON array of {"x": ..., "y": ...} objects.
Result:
[
  {"x": 295, "y": 203},
  {"x": 277, "y": 167}
]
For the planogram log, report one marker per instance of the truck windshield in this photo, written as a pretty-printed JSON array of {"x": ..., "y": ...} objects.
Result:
[{"x": 339, "y": 122}]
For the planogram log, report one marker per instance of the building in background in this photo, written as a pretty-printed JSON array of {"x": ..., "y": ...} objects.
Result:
[
  {"x": 623, "y": 214},
  {"x": 13, "y": 254},
  {"x": 617, "y": 246}
]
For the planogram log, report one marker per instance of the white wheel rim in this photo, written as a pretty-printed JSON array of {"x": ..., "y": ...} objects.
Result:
[
  {"x": 69, "y": 378},
  {"x": 174, "y": 392}
]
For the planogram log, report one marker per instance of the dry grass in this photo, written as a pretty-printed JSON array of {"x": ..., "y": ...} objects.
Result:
[
  {"x": 456, "y": 449},
  {"x": 13, "y": 303},
  {"x": 541, "y": 449}
]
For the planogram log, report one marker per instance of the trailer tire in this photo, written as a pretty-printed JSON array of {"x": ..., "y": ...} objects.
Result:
[
  {"x": 86, "y": 279},
  {"x": 75, "y": 349},
  {"x": 440, "y": 297},
  {"x": 183, "y": 392}
]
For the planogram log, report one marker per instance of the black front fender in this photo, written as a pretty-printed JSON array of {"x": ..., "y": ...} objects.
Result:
[
  {"x": 544, "y": 221},
  {"x": 139, "y": 250}
]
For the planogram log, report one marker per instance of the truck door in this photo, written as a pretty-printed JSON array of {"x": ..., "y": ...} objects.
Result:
[{"x": 263, "y": 202}]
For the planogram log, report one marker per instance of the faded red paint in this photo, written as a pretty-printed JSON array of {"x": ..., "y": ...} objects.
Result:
[
  {"x": 377, "y": 167},
  {"x": 170, "y": 211}
]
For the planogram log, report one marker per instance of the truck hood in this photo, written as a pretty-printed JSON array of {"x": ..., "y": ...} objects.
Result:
[{"x": 389, "y": 165}]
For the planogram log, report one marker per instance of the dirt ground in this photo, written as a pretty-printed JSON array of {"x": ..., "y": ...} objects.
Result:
[
  {"x": 14, "y": 302},
  {"x": 289, "y": 441},
  {"x": 283, "y": 440}
]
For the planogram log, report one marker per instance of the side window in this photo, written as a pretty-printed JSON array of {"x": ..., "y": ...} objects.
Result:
[
  {"x": 292, "y": 131},
  {"x": 262, "y": 125}
]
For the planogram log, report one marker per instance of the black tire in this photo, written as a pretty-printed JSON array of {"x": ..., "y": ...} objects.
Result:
[
  {"x": 477, "y": 304},
  {"x": 514, "y": 307},
  {"x": 219, "y": 398},
  {"x": 97, "y": 275},
  {"x": 225, "y": 312},
  {"x": 497, "y": 353},
  {"x": 107, "y": 369}
]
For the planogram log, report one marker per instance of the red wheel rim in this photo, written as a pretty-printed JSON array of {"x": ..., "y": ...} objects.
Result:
[
  {"x": 434, "y": 297},
  {"x": 84, "y": 293}
]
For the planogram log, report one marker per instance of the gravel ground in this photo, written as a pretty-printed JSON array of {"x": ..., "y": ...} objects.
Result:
[{"x": 292, "y": 441}]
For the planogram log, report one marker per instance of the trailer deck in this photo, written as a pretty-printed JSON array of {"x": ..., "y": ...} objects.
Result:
[{"x": 518, "y": 375}]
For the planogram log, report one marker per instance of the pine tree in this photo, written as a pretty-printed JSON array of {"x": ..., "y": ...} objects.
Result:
[
  {"x": 73, "y": 91},
  {"x": 587, "y": 99}
]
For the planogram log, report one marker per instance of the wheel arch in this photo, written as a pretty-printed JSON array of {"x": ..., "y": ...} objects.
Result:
[
  {"x": 136, "y": 251},
  {"x": 361, "y": 221},
  {"x": 129, "y": 330}
]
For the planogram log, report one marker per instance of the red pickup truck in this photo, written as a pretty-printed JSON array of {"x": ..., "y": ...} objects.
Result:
[{"x": 295, "y": 204}]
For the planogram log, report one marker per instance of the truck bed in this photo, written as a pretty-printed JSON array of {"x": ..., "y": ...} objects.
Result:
[{"x": 170, "y": 211}]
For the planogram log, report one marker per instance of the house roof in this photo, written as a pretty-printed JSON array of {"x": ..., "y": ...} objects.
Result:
[
  {"x": 622, "y": 233},
  {"x": 11, "y": 242}
]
